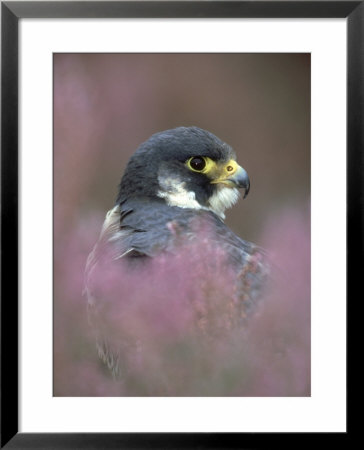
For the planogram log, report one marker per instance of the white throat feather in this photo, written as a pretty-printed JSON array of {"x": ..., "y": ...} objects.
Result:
[{"x": 175, "y": 194}]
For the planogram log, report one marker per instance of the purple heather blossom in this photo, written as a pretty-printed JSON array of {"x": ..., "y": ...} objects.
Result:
[{"x": 174, "y": 322}]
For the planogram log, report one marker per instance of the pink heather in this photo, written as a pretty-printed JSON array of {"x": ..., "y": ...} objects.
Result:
[{"x": 175, "y": 324}]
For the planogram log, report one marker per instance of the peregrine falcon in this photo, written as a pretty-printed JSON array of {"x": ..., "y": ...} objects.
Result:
[{"x": 176, "y": 179}]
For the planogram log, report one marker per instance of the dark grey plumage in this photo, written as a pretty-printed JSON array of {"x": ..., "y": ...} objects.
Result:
[
  {"x": 163, "y": 194},
  {"x": 167, "y": 152}
]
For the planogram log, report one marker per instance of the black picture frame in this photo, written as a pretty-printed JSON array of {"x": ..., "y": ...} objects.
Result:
[{"x": 11, "y": 12}]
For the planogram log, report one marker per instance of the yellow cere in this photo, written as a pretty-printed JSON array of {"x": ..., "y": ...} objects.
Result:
[
  {"x": 216, "y": 171},
  {"x": 224, "y": 172},
  {"x": 231, "y": 167}
]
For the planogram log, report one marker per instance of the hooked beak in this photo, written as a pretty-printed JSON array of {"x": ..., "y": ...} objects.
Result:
[
  {"x": 240, "y": 179},
  {"x": 237, "y": 179}
]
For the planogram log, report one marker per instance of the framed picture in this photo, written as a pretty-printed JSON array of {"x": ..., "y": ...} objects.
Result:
[{"x": 84, "y": 84}]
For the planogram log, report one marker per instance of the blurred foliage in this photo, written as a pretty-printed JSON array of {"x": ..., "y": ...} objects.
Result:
[
  {"x": 105, "y": 105},
  {"x": 176, "y": 324}
]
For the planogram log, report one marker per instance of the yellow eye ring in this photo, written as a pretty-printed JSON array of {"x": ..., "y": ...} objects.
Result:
[
  {"x": 200, "y": 164},
  {"x": 197, "y": 163}
]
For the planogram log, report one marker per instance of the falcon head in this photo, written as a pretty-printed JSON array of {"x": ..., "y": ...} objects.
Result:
[{"x": 185, "y": 167}]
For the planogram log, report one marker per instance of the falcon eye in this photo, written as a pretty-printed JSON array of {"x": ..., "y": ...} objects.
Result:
[
  {"x": 197, "y": 163},
  {"x": 201, "y": 164}
]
